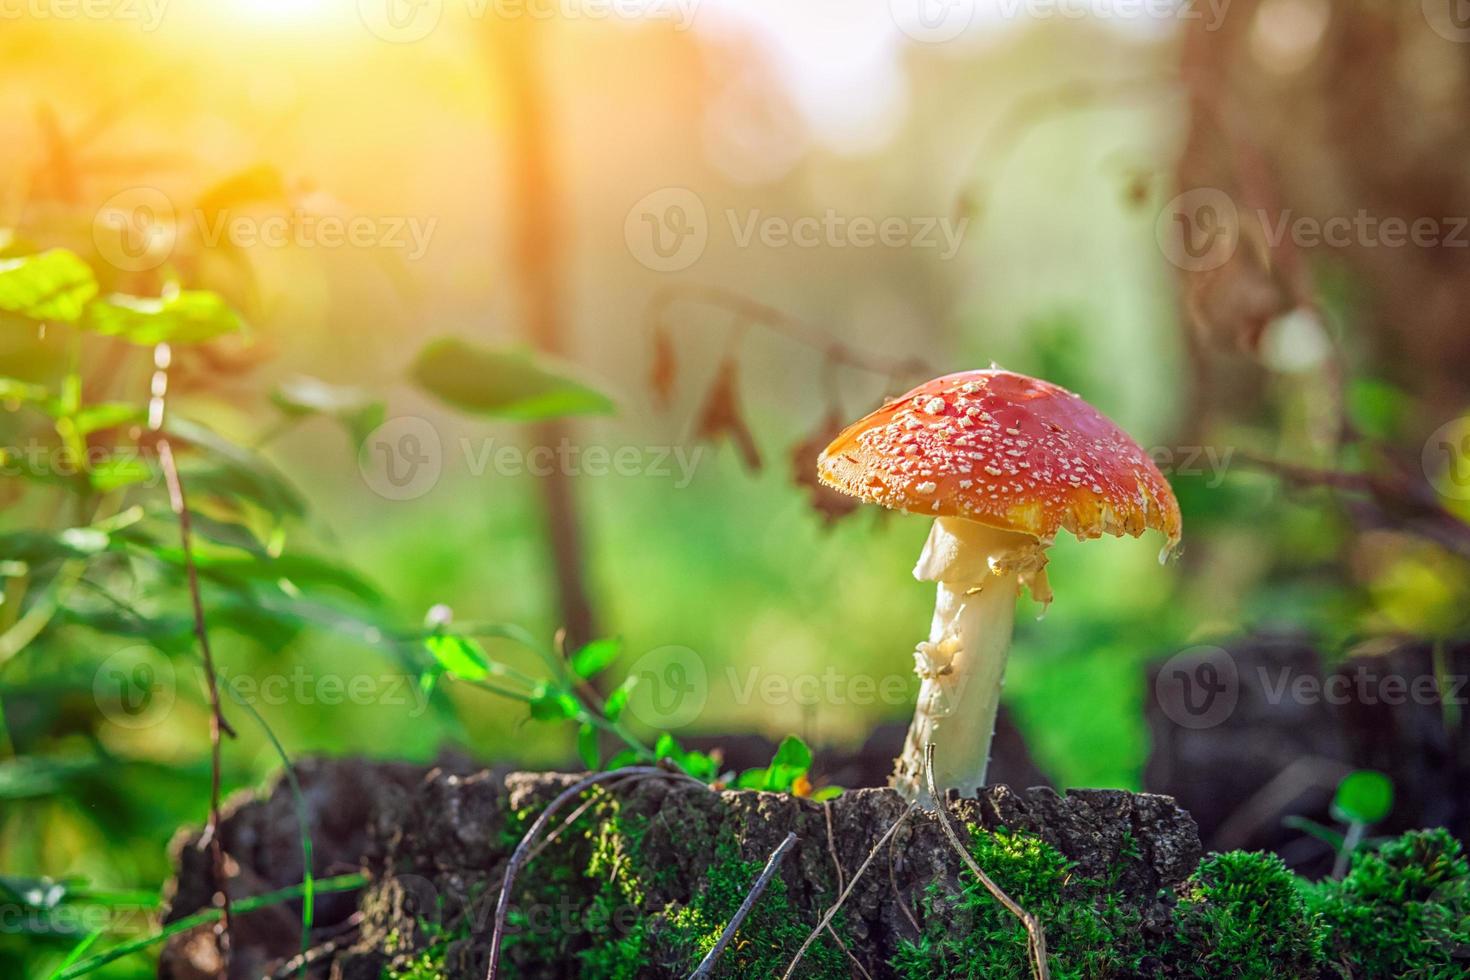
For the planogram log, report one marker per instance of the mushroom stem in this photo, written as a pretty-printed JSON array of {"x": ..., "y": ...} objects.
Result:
[{"x": 979, "y": 570}]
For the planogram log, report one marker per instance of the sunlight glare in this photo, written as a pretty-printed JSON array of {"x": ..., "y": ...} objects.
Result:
[{"x": 279, "y": 11}]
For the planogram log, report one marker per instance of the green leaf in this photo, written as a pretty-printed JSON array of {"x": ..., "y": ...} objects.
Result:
[
  {"x": 587, "y": 746},
  {"x": 38, "y": 547},
  {"x": 700, "y": 765},
  {"x": 170, "y": 634},
  {"x": 429, "y": 679},
  {"x": 753, "y": 779},
  {"x": 617, "y": 701},
  {"x": 54, "y": 285},
  {"x": 106, "y": 415},
  {"x": 354, "y": 408},
  {"x": 667, "y": 747},
  {"x": 15, "y": 390},
  {"x": 1364, "y": 796},
  {"x": 288, "y": 573},
  {"x": 1332, "y": 838},
  {"x": 459, "y": 656},
  {"x": 1378, "y": 408},
  {"x": 85, "y": 540},
  {"x": 230, "y": 471},
  {"x": 180, "y": 317},
  {"x": 227, "y": 533},
  {"x": 792, "y": 760},
  {"x": 506, "y": 382},
  {"x": 792, "y": 753},
  {"x": 595, "y": 657},
  {"x": 550, "y": 703}
]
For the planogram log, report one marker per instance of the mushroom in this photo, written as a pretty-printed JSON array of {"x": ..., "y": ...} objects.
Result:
[{"x": 1002, "y": 462}]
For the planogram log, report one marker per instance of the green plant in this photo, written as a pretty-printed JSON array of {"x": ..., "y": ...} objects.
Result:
[
  {"x": 1090, "y": 933},
  {"x": 1242, "y": 914},
  {"x": 1363, "y": 798},
  {"x": 144, "y": 530},
  {"x": 787, "y": 773},
  {"x": 1403, "y": 910},
  {"x": 565, "y": 694},
  {"x": 767, "y": 939}
]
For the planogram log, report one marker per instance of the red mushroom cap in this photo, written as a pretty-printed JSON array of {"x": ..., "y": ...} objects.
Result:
[{"x": 1005, "y": 450}]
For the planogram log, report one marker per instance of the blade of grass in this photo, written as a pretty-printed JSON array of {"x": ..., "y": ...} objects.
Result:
[
  {"x": 340, "y": 883},
  {"x": 77, "y": 952}
]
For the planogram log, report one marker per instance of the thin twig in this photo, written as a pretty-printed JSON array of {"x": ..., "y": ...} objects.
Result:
[
  {"x": 217, "y": 723},
  {"x": 706, "y": 966},
  {"x": 832, "y": 846},
  {"x": 162, "y": 358},
  {"x": 527, "y": 847},
  {"x": 841, "y": 883},
  {"x": 780, "y": 322},
  {"x": 1035, "y": 934},
  {"x": 1397, "y": 499},
  {"x": 827, "y": 917},
  {"x": 571, "y": 818},
  {"x": 329, "y": 945},
  {"x": 856, "y": 963}
]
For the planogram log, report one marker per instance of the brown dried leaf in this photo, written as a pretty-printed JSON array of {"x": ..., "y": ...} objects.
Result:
[{"x": 721, "y": 416}]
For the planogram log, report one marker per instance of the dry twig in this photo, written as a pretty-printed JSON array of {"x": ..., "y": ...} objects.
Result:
[
  {"x": 841, "y": 883},
  {"x": 706, "y": 966},
  {"x": 528, "y": 848},
  {"x": 748, "y": 310},
  {"x": 217, "y": 723},
  {"x": 1035, "y": 934},
  {"x": 827, "y": 917}
]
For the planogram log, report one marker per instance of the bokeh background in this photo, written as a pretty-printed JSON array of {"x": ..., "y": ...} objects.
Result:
[{"x": 539, "y": 152}]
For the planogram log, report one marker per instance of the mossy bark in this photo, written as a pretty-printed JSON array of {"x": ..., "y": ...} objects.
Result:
[{"x": 648, "y": 871}]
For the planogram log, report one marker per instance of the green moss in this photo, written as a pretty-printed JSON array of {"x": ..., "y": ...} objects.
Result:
[
  {"x": 434, "y": 938},
  {"x": 428, "y": 965},
  {"x": 1090, "y": 933},
  {"x": 766, "y": 941},
  {"x": 1242, "y": 914},
  {"x": 592, "y": 907},
  {"x": 1402, "y": 911}
]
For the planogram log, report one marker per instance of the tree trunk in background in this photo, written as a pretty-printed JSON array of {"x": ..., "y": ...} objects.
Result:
[
  {"x": 1319, "y": 110},
  {"x": 532, "y": 211}
]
